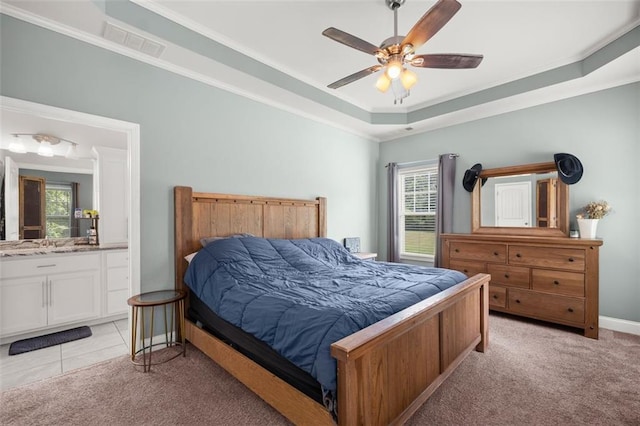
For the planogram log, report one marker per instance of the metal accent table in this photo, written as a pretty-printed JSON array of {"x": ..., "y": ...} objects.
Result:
[{"x": 163, "y": 298}]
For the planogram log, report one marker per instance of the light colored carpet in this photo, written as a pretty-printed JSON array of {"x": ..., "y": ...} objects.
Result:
[{"x": 533, "y": 374}]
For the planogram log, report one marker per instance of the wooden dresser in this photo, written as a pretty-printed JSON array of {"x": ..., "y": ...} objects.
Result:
[{"x": 548, "y": 278}]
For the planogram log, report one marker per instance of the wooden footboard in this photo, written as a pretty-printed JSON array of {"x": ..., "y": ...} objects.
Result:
[{"x": 388, "y": 370}]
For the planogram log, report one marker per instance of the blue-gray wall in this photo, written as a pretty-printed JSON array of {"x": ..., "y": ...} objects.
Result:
[
  {"x": 601, "y": 129},
  {"x": 195, "y": 135}
]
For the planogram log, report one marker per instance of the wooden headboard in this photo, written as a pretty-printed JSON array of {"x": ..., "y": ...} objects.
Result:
[{"x": 201, "y": 214}]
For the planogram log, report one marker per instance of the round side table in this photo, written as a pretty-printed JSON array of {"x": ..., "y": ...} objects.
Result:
[{"x": 163, "y": 298}]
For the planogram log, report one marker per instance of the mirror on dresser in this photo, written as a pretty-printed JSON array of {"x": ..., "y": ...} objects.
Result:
[{"x": 520, "y": 200}]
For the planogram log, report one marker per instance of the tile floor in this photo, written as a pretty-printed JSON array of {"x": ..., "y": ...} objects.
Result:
[{"x": 107, "y": 341}]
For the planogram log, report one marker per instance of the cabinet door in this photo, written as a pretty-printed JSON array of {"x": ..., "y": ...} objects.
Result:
[
  {"x": 74, "y": 296},
  {"x": 22, "y": 304},
  {"x": 113, "y": 195}
]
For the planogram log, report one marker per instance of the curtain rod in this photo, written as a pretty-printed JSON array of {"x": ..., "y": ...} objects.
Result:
[{"x": 420, "y": 162}]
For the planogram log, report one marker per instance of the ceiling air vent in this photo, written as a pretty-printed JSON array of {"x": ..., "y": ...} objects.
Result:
[{"x": 132, "y": 40}]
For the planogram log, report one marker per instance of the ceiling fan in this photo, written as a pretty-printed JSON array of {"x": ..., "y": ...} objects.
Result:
[{"x": 396, "y": 52}]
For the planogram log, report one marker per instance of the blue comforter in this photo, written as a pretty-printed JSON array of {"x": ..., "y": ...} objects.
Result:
[{"x": 300, "y": 296}]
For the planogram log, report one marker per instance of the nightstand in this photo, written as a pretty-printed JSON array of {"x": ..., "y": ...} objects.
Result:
[
  {"x": 162, "y": 298},
  {"x": 366, "y": 256}
]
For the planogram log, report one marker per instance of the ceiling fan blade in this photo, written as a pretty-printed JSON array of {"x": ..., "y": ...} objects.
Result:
[
  {"x": 350, "y": 40},
  {"x": 446, "y": 61},
  {"x": 353, "y": 77},
  {"x": 431, "y": 22}
]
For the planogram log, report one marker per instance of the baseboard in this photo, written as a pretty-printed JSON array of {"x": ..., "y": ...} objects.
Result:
[{"x": 621, "y": 325}]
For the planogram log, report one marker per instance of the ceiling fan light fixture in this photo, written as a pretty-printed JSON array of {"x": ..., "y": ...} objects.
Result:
[
  {"x": 397, "y": 51},
  {"x": 383, "y": 82},
  {"x": 17, "y": 146},
  {"x": 394, "y": 68},
  {"x": 408, "y": 79},
  {"x": 382, "y": 55}
]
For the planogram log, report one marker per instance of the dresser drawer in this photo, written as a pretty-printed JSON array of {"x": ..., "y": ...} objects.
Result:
[
  {"x": 558, "y": 282},
  {"x": 478, "y": 251},
  {"x": 497, "y": 296},
  {"x": 467, "y": 267},
  {"x": 548, "y": 257},
  {"x": 546, "y": 306},
  {"x": 511, "y": 276}
]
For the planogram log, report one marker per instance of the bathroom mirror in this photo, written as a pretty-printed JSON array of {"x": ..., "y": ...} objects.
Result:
[
  {"x": 521, "y": 200},
  {"x": 39, "y": 193}
]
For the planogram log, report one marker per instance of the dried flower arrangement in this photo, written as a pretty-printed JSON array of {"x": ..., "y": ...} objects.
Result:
[{"x": 595, "y": 210}]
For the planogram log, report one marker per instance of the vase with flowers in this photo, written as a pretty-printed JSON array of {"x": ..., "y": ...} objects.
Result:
[{"x": 588, "y": 219}]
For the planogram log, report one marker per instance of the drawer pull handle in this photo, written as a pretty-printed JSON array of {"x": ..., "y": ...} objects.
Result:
[
  {"x": 517, "y": 300},
  {"x": 556, "y": 282},
  {"x": 47, "y": 266},
  {"x": 495, "y": 253},
  {"x": 506, "y": 275},
  {"x": 495, "y": 296},
  {"x": 570, "y": 309},
  {"x": 465, "y": 271},
  {"x": 518, "y": 255},
  {"x": 457, "y": 251},
  {"x": 571, "y": 259}
]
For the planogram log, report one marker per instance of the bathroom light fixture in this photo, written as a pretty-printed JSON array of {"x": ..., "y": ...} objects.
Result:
[
  {"x": 45, "y": 149},
  {"x": 72, "y": 152},
  {"x": 46, "y": 145},
  {"x": 17, "y": 146}
]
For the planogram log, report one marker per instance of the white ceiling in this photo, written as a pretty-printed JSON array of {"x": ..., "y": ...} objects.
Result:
[{"x": 519, "y": 40}]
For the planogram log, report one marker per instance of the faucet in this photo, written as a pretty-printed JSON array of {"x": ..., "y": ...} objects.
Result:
[{"x": 47, "y": 243}]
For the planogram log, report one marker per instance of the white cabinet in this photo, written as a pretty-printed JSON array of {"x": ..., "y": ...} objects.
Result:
[
  {"x": 43, "y": 291},
  {"x": 116, "y": 267},
  {"x": 111, "y": 186},
  {"x": 22, "y": 304},
  {"x": 73, "y": 297}
]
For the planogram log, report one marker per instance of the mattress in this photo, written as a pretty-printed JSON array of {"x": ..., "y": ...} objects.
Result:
[{"x": 253, "y": 348}]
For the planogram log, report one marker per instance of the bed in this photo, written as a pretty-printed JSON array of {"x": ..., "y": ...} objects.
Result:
[{"x": 385, "y": 371}]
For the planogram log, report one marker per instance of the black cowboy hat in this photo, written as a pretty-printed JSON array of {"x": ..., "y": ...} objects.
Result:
[
  {"x": 569, "y": 168},
  {"x": 471, "y": 176}
]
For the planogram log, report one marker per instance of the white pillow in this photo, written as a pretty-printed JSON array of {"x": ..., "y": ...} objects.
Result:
[{"x": 190, "y": 256}]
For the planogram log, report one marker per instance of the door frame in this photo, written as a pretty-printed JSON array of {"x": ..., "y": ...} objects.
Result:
[{"x": 132, "y": 132}]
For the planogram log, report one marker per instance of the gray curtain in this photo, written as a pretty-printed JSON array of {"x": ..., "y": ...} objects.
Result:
[
  {"x": 446, "y": 186},
  {"x": 393, "y": 249}
]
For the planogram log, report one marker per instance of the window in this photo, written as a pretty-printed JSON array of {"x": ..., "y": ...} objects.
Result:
[
  {"x": 418, "y": 196},
  {"x": 59, "y": 210}
]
